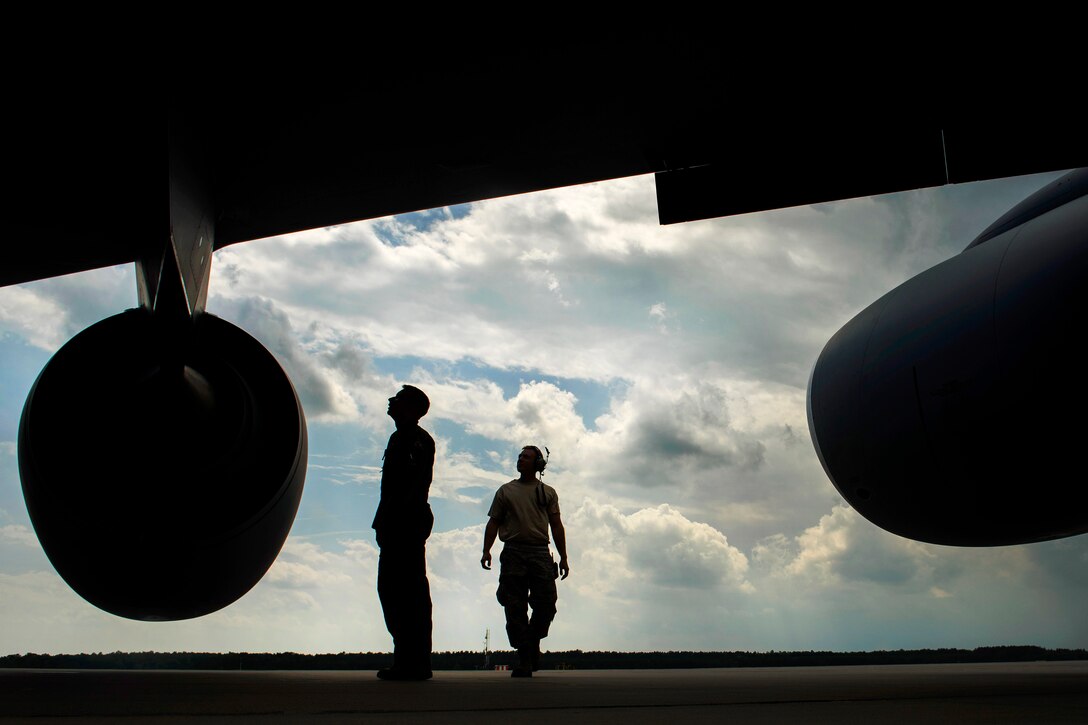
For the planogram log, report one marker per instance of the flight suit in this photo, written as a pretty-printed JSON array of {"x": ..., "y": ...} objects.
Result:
[{"x": 402, "y": 524}]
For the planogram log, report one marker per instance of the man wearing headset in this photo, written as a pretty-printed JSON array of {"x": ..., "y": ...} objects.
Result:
[{"x": 520, "y": 516}]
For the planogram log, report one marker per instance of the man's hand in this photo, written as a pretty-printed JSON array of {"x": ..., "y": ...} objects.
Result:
[
  {"x": 490, "y": 532},
  {"x": 560, "y": 535}
]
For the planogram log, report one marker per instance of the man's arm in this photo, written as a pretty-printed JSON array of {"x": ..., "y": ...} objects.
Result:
[
  {"x": 421, "y": 462},
  {"x": 560, "y": 536},
  {"x": 490, "y": 533}
]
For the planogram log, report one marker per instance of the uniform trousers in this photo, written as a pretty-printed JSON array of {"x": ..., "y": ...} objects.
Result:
[
  {"x": 527, "y": 579},
  {"x": 406, "y": 599}
]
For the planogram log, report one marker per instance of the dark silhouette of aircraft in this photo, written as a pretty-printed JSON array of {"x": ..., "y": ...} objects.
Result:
[
  {"x": 950, "y": 409},
  {"x": 163, "y": 451}
]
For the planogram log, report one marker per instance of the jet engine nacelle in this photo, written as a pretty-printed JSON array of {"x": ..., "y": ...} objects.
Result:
[
  {"x": 162, "y": 465},
  {"x": 952, "y": 410}
]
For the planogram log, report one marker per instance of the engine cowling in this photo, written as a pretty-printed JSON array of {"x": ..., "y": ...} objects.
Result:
[
  {"x": 161, "y": 474},
  {"x": 951, "y": 410}
]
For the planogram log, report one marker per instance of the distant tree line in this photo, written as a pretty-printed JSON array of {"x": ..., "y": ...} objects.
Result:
[
  {"x": 695, "y": 660},
  {"x": 573, "y": 659}
]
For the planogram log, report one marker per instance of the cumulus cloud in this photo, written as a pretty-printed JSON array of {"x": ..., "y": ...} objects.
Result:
[
  {"x": 677, "y": 433},
  {"x": 304, "y": 565},
  {"x": 458, "y": 472},
  {"x": 862, "y": 584},
  {"x": 844, "y": 547},
  {"x": 539, "y": 411},
  {"x": 323, "y": 395},
  {"x": 661, "y": 546},
  {"x": 845, "y": 553},
  {"x": 652, "y": 577},
  {"x": 724, "y": 448},
  {"x": 48, "y": 312},
  {"x": 42, "y": 321},
  {"x": 692, "y": 426}
]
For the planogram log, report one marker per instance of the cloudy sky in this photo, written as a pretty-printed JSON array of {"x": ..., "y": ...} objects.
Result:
[{"x": 665, "y": 368}]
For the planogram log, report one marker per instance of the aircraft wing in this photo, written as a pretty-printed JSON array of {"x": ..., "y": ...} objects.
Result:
[{"x": 286, "y": 142}]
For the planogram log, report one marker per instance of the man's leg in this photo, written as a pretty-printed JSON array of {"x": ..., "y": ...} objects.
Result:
[
  {"x": 406, "y": 604},
  {"x": 513, "y": 595},
  {"x": 387, "y": 589},
  {"x": 542, "y": 598},
  {"x": 412, "y": 645}
]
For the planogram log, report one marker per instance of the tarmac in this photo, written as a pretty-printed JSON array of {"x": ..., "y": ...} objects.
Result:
[{"x": 1034, "y": 692}]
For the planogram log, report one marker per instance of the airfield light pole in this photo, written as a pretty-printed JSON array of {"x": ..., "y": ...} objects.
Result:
[{"x": 487, "y": 649}]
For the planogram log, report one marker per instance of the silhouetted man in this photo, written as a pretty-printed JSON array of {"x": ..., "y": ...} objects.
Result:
[
  {"x": 520, "y": 515},
  {"x": 402, "y": 524}
]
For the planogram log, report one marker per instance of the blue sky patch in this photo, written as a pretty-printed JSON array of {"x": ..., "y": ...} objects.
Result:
[{"x": 424, "y": 220}]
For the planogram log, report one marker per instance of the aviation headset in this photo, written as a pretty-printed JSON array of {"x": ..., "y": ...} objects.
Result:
[
  {"x": 541, "y": 459},
  {"x": 541, "y": 464}
]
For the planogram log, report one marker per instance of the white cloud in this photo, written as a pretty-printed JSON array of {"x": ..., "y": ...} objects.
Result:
[
  {"x": 303, "y": 565},
  {"x": 457, "y": 471},
  {"x": 844, "y": 547},
  {"x": 651, "y": 578},
  {"x": 19, "y": 534},
  {"x": 40, "y": 320},
  {"x": 540, "y": 411},
  {"x": 48, "y": 312},
  {"x": 312, "y": 600},
  {"x": 846, "y": 554},
  {"x": 657, "y": 545},
  {"x": 659, "y": 313},
  {"x": 315, "y": 376}
]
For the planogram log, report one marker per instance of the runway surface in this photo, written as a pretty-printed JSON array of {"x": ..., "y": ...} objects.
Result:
[{"x": 1037, "y": 692}]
